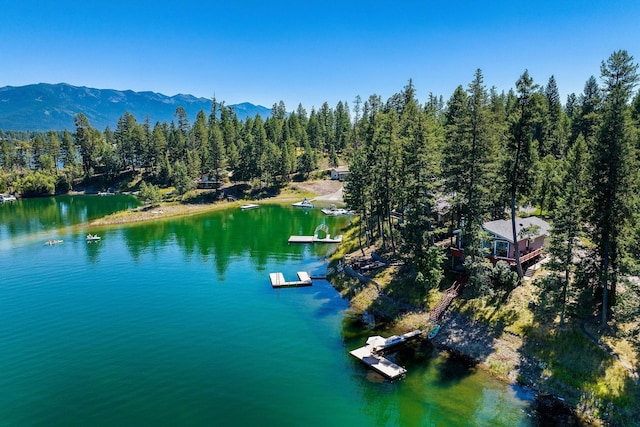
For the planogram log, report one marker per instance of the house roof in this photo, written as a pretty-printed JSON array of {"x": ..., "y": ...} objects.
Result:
[
  {"x": 502, "y": 227},
  {"x": 341, "y": 169}
]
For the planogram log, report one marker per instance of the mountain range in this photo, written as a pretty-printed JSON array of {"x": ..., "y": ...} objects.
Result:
[{"x": 43, "y": 106}]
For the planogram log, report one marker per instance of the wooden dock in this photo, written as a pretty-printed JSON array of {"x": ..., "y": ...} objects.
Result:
[
  {"x": 278, "y": 281},
  {"x": 372, "y": 353}
]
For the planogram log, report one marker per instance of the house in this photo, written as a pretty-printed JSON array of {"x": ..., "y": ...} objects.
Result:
[
  {"x": 339, "y": 173},
  {"x": 207, "y": 182},
  {"x": 532, "y": 234}
]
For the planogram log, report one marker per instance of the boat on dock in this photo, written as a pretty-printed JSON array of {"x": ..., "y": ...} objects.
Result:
[
  {"x": 93, "y": 238},
  {"x": 372, "y": 354},
  {"x": 278, "y": 281},
  {"x": 305, "y": 204},
  {"x": 249, "y": 206},
  {"x": 316, "y": 236},
  {"x": 335, "y": 211}
]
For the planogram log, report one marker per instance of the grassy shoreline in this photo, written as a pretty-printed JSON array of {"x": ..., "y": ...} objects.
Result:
[{"x": 189, "y": 206}]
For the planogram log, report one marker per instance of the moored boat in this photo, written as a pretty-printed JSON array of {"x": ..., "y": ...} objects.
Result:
[
  {"x": 434, "y": 332},
  {"x": 335, "y": 211},
  {"x": 53, "y": 242},
  {"x": 249, "y": 206},
  {"x": 305, "y": 203},
  {"x": 7, "y": 198},
  {"x": 92, "y": 237}
]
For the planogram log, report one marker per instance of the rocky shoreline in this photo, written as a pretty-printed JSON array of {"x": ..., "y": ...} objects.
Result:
[{"x": 494, "y": 350}]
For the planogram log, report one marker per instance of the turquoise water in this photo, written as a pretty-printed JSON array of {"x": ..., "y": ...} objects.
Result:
[{"x": 175, "y": 323}]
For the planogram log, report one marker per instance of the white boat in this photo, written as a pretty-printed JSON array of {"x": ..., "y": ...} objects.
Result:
[
  {"x": 305, "y": 203},
  {"x": 249, "y": 206},
  {"x": 52, "y": 242},
  {"x": 106, "y": 193},
  {"x": 334, "y": 211},
  {"x": 7, "y": 198},
  {"x": 92, "y": 237}
]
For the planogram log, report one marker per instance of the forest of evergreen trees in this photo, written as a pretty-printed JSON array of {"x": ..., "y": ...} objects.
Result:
[{"x": 485, "y": 152}]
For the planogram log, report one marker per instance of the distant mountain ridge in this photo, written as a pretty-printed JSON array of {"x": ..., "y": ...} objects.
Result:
[{"x": 44, "y": 106}]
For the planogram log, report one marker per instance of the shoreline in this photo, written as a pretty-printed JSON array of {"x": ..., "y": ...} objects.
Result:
[
  {"x": 496, "y": 351},
  {"x": 322, "y": 190}
]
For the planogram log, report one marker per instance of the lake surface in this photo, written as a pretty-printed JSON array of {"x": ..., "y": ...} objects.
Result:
[{"x": 175, "y": 323}]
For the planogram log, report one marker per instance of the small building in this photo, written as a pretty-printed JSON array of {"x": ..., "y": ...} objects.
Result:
[
  {"x": 207, "y": 182},
  {"x": 339, "y": 173},
  {"x": 532, "y": 234}
]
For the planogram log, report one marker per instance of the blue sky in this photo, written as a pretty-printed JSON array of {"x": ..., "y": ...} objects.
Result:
[{"x": 310, "y": 52}]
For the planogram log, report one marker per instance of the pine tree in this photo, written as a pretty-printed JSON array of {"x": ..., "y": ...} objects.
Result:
[
  {"x": 613, "y": 163},
  {"x": 566, "y": 228},
  {"x": 522, "y": 153}
]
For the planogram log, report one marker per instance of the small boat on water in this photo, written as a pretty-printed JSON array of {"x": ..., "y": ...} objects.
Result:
[
  {"x": 434, "y": 332},
  {"x": 335, "y": 211},
  {"x": 7, "y": 198},
  {"x": 305, "y": 203},
  {"x": 92, "y": 237},
  {"x": 53, "y": 242},
  {"x": 249, "y": 206}
]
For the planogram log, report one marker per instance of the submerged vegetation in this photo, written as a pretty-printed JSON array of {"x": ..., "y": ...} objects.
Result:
[{"x": 420, "y": 175}]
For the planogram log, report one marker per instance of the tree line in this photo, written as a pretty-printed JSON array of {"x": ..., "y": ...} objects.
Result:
[
  {"x": 481, "y": 154},
  {"x": 216, "y": 146}
]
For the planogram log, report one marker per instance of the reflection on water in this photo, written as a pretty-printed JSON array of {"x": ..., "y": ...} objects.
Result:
[
  {"x": 174, "y": 322},
  {"x": 221, "y": 236},
  {"x": 37, "y": 215}
]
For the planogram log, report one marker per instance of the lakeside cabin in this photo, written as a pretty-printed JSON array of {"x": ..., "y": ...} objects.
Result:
[
  {"x": 532, "y": 235},
  {"x": 206, "y": 182}
]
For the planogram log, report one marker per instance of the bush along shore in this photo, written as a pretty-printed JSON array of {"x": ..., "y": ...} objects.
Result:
[{"x": 510, "y": 334}]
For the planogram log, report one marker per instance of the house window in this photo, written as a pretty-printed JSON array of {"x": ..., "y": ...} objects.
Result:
[{"x": 502, "y": 248}]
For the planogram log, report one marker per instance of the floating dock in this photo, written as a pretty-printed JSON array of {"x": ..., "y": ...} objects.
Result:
[
  {"x": 378, "y": 363},
  {"x": 278, "y": 281},
  {"x": 316, "y": 236},
  {"x": 314, "y": 239},
  {"x": 372, "y": 354}
]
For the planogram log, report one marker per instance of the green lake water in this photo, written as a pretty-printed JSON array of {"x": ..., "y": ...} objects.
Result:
[{"x": 174, "y": 323}]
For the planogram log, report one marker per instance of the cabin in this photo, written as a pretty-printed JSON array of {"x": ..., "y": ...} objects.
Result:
[
  {"x": 339, "y": 173},
  {"x": 532, "y": 235},
  {"x": 207, "y": 182}
]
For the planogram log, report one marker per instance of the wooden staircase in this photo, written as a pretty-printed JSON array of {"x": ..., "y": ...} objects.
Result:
[{"x": 445, "y": 301}]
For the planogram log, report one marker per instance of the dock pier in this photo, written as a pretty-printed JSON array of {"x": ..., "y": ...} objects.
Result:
[
  {"x": 372, "y": 354},
  {"x": 278, "y": 281},
  {"x": 322, "y": 228}
]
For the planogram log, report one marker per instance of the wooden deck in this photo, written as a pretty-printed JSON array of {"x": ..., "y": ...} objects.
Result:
[
  {"x": 278, "y": 281},
  {"x": 456, "y": 252}
]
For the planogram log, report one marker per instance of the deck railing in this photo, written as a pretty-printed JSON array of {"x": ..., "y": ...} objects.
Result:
[{"x": 456, "y": 252}]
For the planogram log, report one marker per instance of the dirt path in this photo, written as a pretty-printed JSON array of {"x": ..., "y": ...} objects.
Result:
[{"x": 333, "y": 197}]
